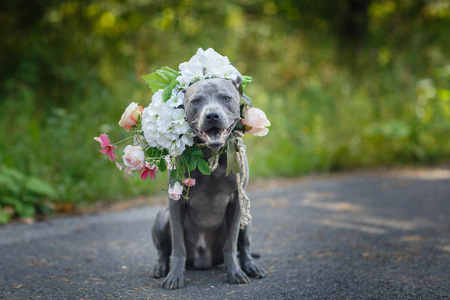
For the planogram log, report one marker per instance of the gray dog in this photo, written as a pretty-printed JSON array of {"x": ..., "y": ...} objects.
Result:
[{"x": 204, "y": 231}]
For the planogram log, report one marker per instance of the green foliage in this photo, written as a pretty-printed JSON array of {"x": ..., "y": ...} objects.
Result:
[
  {"x": 336, "y": 98},
  {"x": 158, "y": 155},
  {"x": 232, "y": 160},
  {"x": 246, "y": 99},
  {"x": 23, "y": 195},
  {"x": 203, "y": 167},
  {"x": 163, "y": 78},
  {"x": 245, "y": 80},
  {"x": 193, "y": 157}
]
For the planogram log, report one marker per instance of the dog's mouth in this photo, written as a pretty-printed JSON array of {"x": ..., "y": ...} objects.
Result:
[{"x": 214, "y": 137}]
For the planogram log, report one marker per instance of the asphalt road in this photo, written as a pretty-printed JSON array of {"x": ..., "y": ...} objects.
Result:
[{"x": 383, "y": 235}]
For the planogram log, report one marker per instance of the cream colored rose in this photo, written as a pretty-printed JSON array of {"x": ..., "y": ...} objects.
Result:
[
  {"x": 134, "y": 157},
  {"x": 257, "y": 120},
  {"x": 175, "y": 190},
  {"x": 131, "y": 116}
]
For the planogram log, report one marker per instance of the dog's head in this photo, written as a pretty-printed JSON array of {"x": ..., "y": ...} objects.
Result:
[{"x": 212, "y": 109}]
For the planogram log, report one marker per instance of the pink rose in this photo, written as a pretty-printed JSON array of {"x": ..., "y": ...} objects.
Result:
[
  {"x": 257, "y": 120},
  {"x": 189, "y": 181},
  {"x": 134, "y": 157},
  {"x": 175, "y": 190},
  {"x": 131, "y": 116}
]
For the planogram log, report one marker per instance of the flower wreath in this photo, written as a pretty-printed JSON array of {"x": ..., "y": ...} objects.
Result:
[{"x": 161, "y": 138}]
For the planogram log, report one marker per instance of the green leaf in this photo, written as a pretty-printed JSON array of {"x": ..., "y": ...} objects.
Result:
[
  {"x": 156, "y": 153},
  {"x": 173, "y": 174},
  {"x": 5, "y": 200},
  {"x": 192, "y": 157},
  {"x": 245, "y": 80},
  {"x": 239, "y": 127},
  {"x": 246, "y": 99},
  {"x": 17, "y": 204},
  {"x": 240, "y": 143},
  {"x": 232, "y": 160},
  {"x": 4, "y": 217},
  {"x": 152, "y": 152},
  {"x": 26, "y": 210},
  {"x": 197, "y": 154},
  {"x": 13, "y": 173},
  {"x": 162, "y": 166},
  {"x": 9, "y": 183},
  {"x": 30, "y": 198},
  {"x": 167, "y": 93},
  {"x": 192, "y": 163},
  {"x": 39, "y": 187},
  {"x": 160, "y": 79},
  {"x": 242, "y": 111},
  {"x": 203, "y": 167}
]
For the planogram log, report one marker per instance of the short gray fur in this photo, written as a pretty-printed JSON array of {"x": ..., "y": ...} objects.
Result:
[{"x": 203, "y": 231}]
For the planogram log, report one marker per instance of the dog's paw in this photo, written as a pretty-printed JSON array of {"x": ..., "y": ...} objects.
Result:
[
  {"x": 238, "y": 276},
  {"x": 174, "y": 280},
  {"x": 160, "y": 270},
  {"x": 253, "y": 270}
]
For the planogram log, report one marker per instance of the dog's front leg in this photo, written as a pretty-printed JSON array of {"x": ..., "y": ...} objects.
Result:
[
  {"x": 235, "y": 273},
  {"x": 175, "y": 278}
]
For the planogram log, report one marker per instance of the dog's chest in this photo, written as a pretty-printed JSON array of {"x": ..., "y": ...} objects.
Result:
[
  {"x": 208, "y": 201},
  {"x": 208, "y": 212}
]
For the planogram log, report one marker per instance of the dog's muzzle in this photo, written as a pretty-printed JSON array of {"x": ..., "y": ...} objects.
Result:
[{"x": 215, "y": 137}]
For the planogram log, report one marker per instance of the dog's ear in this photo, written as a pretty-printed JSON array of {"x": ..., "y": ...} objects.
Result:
[{"x": 237, "y": 83}]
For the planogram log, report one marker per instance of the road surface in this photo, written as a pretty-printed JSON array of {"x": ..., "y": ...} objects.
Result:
[{"x": 369, "y": 235}]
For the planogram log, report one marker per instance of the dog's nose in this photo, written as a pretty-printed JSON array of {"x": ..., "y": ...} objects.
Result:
[{"x": 212, "y": 117}]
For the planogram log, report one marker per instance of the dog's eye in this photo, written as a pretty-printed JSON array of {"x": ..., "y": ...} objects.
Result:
[
  {"x": 226, "y": 98},
  {"x": 195, "y": 101}
]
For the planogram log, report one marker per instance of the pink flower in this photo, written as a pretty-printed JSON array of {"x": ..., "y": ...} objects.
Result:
[
  {"x": 257, "y": 120},
  {"x": 168, "y": 161},
  {"x": 131, "y": 116},
  {"x": 175, "y": 190},
  {"x": 119, "y": 166},
  {"x": 149, "y": 170},
  {"x": 134, "y": 157},
  {"x": 128, "y": 171},
  {"x": 106, "y": 146},
  {"x": 189, "y": 181}
]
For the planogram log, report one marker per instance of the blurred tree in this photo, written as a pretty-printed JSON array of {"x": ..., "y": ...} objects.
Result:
[
  {"x": 18, "y": 20},
  {"x": 350, "y": 21}
]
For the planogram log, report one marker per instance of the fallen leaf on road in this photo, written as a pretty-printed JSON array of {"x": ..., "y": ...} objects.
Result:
[{"x": 412, "y": 238}]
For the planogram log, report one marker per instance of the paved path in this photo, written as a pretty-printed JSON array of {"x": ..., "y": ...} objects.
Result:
[{"x": 379, "y": 235}]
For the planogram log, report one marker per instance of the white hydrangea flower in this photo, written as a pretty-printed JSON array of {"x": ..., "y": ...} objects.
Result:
[
  {"x": 164, "y": 124},
  {"x": 206, "y": 64},
  {"x": 177, "y": 97}
]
